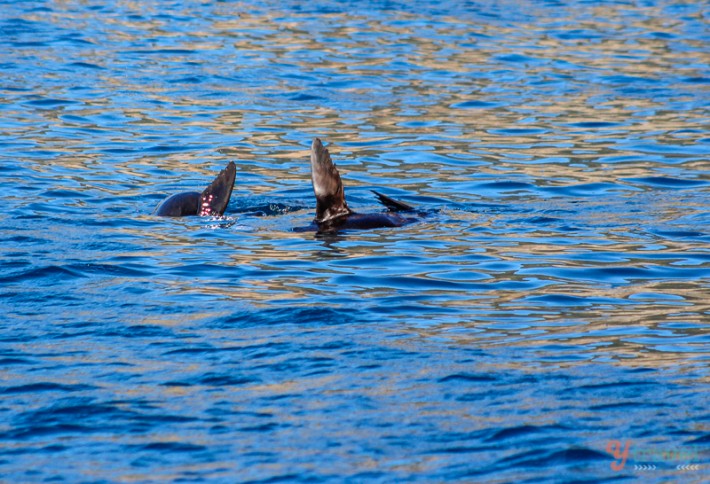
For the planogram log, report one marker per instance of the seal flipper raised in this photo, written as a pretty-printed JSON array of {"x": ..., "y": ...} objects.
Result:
[
  {"x": 215, "y": 198},
  {"x": 333, "y": 213},
  {"x": 392, "y": 204},
  {"x": 212, "y": 201},
  {"x": 327, "y": 186}
]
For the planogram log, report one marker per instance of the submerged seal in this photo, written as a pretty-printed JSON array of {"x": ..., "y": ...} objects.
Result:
[
  {"x": 332, "y": 211},
  {"x": 212, "y": 201}
]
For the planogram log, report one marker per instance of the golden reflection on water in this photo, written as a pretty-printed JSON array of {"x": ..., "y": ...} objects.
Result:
[
  {"x": 242, "y": 30},
  {"x": 481, "y": 109},
  {"x": 530, "y": 138}
]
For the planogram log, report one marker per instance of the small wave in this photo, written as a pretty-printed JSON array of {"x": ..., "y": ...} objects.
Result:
[
  {"x": 475, "y": 104},
  {"x": 595, "y": 124},
  {"x": 503, "y": 187},
  {"x": 49, "y": 102},
  {"x": 468, "y": 378},
  {"x": 85, "y": 65},
  {"x": 523, "y": 431},
  {"x": 668, "y": 182},
  {"x": 160, "y": 51},
  {"x": 47, "y": 273},
  {"x": 171, "y": 447},
  {"x": 47, "y": 387},
  {"x": 572, "y": 456}
]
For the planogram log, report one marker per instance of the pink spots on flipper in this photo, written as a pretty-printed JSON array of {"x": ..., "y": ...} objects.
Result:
[{"x": 206, "y": 207}]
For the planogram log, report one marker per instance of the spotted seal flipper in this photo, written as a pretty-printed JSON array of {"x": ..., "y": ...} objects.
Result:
[
  {"x": 212, "y": 201},
  {"x": 332, "y": 211}
]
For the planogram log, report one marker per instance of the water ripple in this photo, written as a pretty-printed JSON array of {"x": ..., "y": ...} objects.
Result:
[{"x": 549, "y": 302}]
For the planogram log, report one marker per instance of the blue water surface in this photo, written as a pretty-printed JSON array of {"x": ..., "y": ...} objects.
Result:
[{"x": 545, "y": 319}]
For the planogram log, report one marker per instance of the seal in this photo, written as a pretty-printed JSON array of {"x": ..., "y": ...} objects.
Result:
[
  {"x": 332, "y": 211},
  {"x": 212, "y": 201}
]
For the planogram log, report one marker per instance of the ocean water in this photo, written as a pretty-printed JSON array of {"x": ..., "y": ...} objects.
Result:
[{"x": 545, "y": 320}]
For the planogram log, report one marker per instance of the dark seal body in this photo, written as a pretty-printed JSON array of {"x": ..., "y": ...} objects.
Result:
[
  {"x": 179, "y": 205},
  {"x": 332, "y": 211}
]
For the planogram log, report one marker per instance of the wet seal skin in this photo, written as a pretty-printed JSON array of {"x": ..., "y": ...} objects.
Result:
[
  {"x": 332, "y": 211},
  {"x": 212, "y": 201}
]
